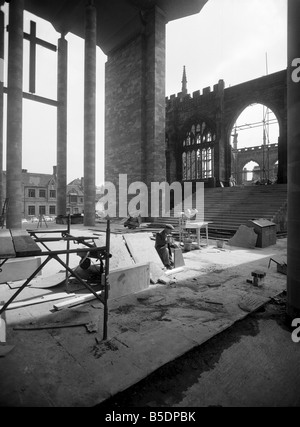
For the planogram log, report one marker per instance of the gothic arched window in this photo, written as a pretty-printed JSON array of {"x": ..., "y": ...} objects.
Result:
[
  {"x": 188, "y": 166},
  {"x": 193, "y": 166},
  {"x": 184, "y": 166},
  {"x": 197, "y": 162}
]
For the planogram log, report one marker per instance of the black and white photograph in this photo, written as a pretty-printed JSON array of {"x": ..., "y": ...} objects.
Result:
[{"x": 149, "y": 183}]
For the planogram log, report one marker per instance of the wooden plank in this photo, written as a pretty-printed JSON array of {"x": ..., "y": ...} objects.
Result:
[
  {"x": 49, "y": 230},
  {"x": 24, "y": 244},
  {"x": 79, "y": 299},
  {"x": 174, "y": 271},
  {"x": 6, "y": 245},
  {"x": 49, "y": 326},
  {"x": 39, "y": 300}
]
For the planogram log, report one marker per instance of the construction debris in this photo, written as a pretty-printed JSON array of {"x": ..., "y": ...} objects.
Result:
[
  {"x": 49, "y": 326},
  {"x": 281, "y": 267},
  {"x": 258, "y": 278},
  {"x": 78, "y": 299},
  {"x": 213, "y": 302},
  {"x": 245, "y": 237},
  {"x": 39, "y": 300},
  {"x": 5, "y": 349}
]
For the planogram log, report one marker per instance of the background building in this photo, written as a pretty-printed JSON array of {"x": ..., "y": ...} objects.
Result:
[{"x": 40, "y": 195}]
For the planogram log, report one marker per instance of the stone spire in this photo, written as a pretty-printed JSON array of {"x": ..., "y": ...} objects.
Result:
[{"x": 184, "y": 83}]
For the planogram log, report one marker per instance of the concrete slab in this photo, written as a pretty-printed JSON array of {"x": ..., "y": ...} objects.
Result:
[
  {"x": 142, "y": 249},
  {"x": 129, "y": 280},
  {"x": 18, "y": 269},
  {"x": 145, "y": 330}
]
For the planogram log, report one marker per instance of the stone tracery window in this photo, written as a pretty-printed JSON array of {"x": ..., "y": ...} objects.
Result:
[
  {"x": 198, "y": 149},
  {"x": 184, "y": 166}
]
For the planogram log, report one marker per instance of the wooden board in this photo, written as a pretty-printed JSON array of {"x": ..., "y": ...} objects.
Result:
[
  {"x": 6, "y": 245},
  {"x": 24, "y": 244},
  {"x": 78, "y": 299},
  {"x": 142, "y": 249},
  {"x": 119, "y": 251},
  {"x": 38, "y": 300}
]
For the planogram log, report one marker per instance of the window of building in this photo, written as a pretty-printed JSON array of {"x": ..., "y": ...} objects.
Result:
[
  {"x": 193, "y": 165},
  {"x": 197, "y": 163},
  {"x": 31, "y": 210},
  {"x": 42, "y": 210},
  {"x": 53, "y": 194},
  {"x": 42, "y": 193},
  {"x": 52, "y": 210},
  {"x": 31, "y": 193},
  {"x": 73, "y": 198}
]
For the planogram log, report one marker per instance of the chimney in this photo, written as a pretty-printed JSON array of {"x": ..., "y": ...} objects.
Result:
[{"x": 54, "y": 170}]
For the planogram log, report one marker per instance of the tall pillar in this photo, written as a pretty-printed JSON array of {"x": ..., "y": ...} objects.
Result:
[
  {"x": 90, "y": 114},
  {"x": 62, "y": 93},
  {"x": 14, "y": 115},
  {"x": 154, "y": 113},
  {"x": 293, "y": 108},
  {"x": 135, "y": 110},
  {"x": 1, "y": 104}
]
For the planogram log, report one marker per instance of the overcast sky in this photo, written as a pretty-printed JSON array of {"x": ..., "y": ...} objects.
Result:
[{"x": 228, "y": 40}]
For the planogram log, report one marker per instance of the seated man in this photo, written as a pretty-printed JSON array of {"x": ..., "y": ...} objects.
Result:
[{"x": 162, "y": 245}]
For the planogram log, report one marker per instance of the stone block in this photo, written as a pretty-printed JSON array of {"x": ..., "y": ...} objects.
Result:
[{"x": 129, "y": 280}]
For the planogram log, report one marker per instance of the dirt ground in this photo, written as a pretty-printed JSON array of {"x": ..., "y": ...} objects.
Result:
[{"x": 173, "y": 384}]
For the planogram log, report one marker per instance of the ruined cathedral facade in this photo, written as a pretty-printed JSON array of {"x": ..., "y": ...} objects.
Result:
[{"x": 201, "y": 144}]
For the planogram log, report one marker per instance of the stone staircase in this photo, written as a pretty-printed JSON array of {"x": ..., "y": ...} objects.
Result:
[{"x": 229, "y": 207}]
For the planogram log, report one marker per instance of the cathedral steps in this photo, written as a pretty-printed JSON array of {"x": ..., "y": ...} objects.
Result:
[{"x": 229, "y": 207}]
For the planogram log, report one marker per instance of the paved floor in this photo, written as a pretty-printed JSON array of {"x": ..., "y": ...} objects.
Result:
[
  {"x": 254, "y": 363},
  {"x": 75, "y": 367}
]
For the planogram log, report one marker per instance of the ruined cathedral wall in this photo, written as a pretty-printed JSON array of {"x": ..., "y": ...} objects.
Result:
[{"x": 184, "y": 111}]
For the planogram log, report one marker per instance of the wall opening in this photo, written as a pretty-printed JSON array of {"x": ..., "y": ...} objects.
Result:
[{"x": 254, "y": 138}]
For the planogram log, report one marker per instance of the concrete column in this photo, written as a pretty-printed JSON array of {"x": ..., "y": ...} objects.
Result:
[
  {"x": 154, "y": 110},
  {"x": 14, "y": 114},
  {"x": 282, "y": 158},
  {"x": 62, "y": 94},
  {"x": 293, "y": 108},
  {"x": 1, "y": 105},
  {"x": 154, "y": 114},
  {"x": 90, "y": 114}
]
